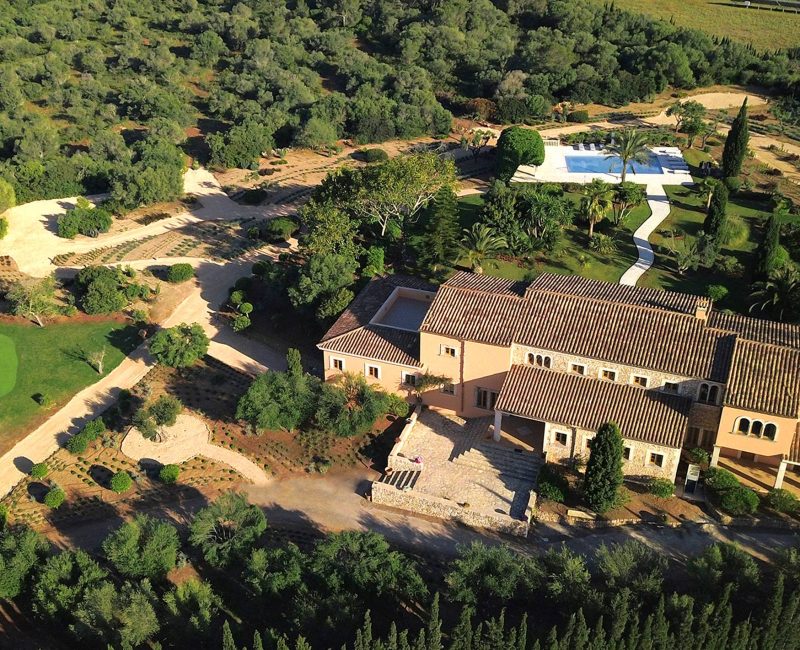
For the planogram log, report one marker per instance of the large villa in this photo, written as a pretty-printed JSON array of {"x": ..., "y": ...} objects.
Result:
[{"x": 546, "y": 363}]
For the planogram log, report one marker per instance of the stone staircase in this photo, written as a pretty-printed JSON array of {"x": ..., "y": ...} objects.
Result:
[
  {"x": 504, "y": 461},
  {"x": 403, "y": 480}
]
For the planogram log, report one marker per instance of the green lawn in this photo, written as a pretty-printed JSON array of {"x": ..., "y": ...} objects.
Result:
[
  {"x": 766, "y": 30},
  {"x": 48, "y": 361},
  {"x": 8, "y": 365},
  {"x": 686, "y": 220},
  {"x": 573, "y": 256}
]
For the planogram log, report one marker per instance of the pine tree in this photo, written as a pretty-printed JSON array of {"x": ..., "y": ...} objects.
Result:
[
  {"x": 604, "y": 469},
  {"x": 717, "y": 212},
  {"x": 736, "y": 144},
  {"x": 439, "y": 244},
  {"x": 227, "y": 637}
]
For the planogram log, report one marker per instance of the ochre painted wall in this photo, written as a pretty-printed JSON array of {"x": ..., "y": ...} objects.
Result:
[{"x": 766, "y": 450}]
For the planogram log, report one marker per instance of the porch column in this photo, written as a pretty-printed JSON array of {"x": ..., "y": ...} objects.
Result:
[
  {"x": 781, "y": 473},
  {"x": 498, "y": 422},
  {"x": 715, "y": 456}
]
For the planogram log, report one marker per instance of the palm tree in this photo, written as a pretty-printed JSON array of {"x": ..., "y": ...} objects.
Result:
[
  {"x": 596, "y": 202},
  {"x": 631, "y": 147},
  {"x": 780, "y": 295},
  {"x": 481, "y": 243}
]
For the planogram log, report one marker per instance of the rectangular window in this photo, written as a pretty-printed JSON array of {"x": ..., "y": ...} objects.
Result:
[
  {"x": 589, "y": 443},
  {"x": 449, "y": 351},
  {"x": 562, "y": 438},
  {"x": 578, "y": 368},
  {"x": 337, "y": 364},
  {"x": 485, "y": 399},
  {"x": 640, "y": 381},
  {"x": 626, "y": 453},
  {"x": 448, "y": 389},
  {"x": 409, "y": 379},
  {"x": 656, "y": 459},
  {"x": 374, "y": 372},
  {"x": 608, "y": 375},
  {"x": 670, "y": 387}
]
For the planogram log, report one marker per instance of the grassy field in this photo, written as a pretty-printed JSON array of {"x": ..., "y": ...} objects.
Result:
[
  {"x": 8, "y": 365},
  {"x": 573, "y": 256},
  {"x": 766, "y": 30},
  {"x": 49, "y": 361}
]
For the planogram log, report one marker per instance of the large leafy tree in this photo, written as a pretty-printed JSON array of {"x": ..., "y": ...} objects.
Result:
[
  {"x": 596, "y": 203},
  {"x": 320, "y": 283},
  {"x": 8, "y": 198},
  {"x": 626, "y": 197},
  {"x": 735, "y": 150},
  {"x": 33, "y": 298},
  {"x": 241, "y": 146},
  {"x": 518, "y": 146},
  {"x": 143, "y": 548},
  {"x": 179, "y": 346},
  {"x": 330, "y": 230},
  {"x": 686, "y": 111},
  {"x": 480, "y": 244},
  {"x": 630, "y": 146},
  {"x": 62, "y": 582},
  {"x": 604, "y": 469},
  {"x": 227, "y": 530},
  {"x": 392, "y": 193}
]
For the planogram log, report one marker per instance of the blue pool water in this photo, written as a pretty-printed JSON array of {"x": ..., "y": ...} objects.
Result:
[{"x": 603, "y": 165}]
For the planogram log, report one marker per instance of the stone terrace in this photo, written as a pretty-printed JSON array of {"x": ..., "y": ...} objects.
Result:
[{"x": 463, "y": 474}]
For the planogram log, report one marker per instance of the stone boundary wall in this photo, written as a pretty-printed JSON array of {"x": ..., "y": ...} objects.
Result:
[
  {"x": 425, "y": 504},
  {"x": 398, "y": 462}
]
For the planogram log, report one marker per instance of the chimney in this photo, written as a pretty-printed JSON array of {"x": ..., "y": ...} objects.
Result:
[{"x": 702, "y": 307}]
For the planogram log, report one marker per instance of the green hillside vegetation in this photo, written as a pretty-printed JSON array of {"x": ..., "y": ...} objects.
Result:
[
  {"x": 97, "y": 96},
  {"x": 52, "y": 367}
]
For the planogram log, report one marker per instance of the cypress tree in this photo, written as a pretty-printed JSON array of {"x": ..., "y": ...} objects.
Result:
[
  {"x": 461, "y": 636},
  {"x": 599, "y": 635},
  {"x": 661, "y": 636},
  {"x": 522, "y": 636},
  {"x": 435, "y": 626},
  {"x": 364, "y": 635},
  {"x": 736, "y": 144},
  {"x": 604, "y": 469},
  {"x": 302, "y": 644},
  {"x": 227, "y": 637},
  {"x": 391, "y": 641},
  {"x": 771, "y": 627},
  {"x": 768, "y": 252},
  {"x": 580, "y": 637},
  {"x": 439, "y": 244},
  {"x": 552, "y": 640},
  {"x": 717, "y": 211},
  {"x": 258, "y": 644}
]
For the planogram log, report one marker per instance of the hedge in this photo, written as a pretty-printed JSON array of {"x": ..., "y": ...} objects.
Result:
[
  {"x": 518, "y": 146},
  {"x": 375, "y": 155},
  {"x": 661, "y": 487},
  {"x": 579, "y": 117},
  {"x": 738, "y": 500},
  {"x": 782, "y": 500}
]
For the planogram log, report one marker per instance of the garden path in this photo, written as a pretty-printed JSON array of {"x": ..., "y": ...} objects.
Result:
[{"x": 659, "y": 210}]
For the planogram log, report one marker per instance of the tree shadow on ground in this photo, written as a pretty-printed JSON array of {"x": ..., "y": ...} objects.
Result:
[
  {"x": 38, "y": 491},
  {"x": 101, "y": 475}
]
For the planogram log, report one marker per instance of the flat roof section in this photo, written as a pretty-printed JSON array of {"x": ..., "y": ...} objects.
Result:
[{"x": 405, "y": 313}]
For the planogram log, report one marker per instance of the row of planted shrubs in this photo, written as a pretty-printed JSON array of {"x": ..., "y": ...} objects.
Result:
[
  {"x": 553, "y": 485},
  {"x": 737, "y": 499}
]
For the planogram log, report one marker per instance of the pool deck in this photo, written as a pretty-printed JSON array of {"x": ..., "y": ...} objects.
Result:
[{"x": 554, "y": 169}]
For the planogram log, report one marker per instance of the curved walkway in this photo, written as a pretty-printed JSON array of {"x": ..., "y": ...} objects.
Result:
[
  {"x": 187, "y": 438},
  {"x": 658, "y": 201}
]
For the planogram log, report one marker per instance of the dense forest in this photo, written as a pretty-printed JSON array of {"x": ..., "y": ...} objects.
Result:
[
  {"x": 99, "y": 94},
  {"x": 228, "y": 581}
]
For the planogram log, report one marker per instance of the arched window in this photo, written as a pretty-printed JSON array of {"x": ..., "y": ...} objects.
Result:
[
  {"x": 713, "y": 394},
  {"x": 703, "y": 396},
  {"x": 531, "y": 358},
  {"x": 770, "y": 431},
  {"x": 547, "y": 362},
  {"x": 743, "y": 426},
  {"x": 757, "y": 428}
]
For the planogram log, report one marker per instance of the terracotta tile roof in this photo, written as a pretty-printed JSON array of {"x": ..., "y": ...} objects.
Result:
[
  {"x": 764, "y": 378},
  {"x": 379, "y": 343},
  {"x": 629, "y": 334},
  {"x": 756, "y": 329},
  {"x": 487, "y": 283},
  {"x": 578, "y": 286},
  {"x": 369, "y": 301},
  {"x": 571, "y": 400}
]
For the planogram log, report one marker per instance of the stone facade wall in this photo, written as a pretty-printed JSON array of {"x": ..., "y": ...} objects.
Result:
[
  {"x": 431, "y": 506},
  {"x": 397, "y": 461},
  {"x": 637, "y": 465},
  {"x": 687, "y": 386}
]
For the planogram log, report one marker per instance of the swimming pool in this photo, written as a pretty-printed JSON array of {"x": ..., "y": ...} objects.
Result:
[{"x": 603, "y": 165}]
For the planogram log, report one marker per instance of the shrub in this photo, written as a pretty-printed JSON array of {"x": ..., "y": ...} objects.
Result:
[
  {"x": 553, "y": 485},
  {"x": 3, "y": 227},
  {"x": 54, "y": 498},
  {"x": 121, "y": 482},
  {"x": 699, "y": 456},
  {"x": 517, "y": 146},
  {"x": 280, "y": 229},
  {"x": 661, "y": 487},
  {"x": 180, "y": 272},
  {"x": 78, "y": 443},
  {"x": 241, "y": 322},
  {"x": 734, "y": 231},
  {"x": 603, "y": 244},
  {"x": 40, "y": 470},
  {"x": 246, "y": 308},
  {"x": 738, "y": 500},
  {"x": 169, "y": 474},
  {"x": 579, "y": 117},
  {"x": 733, "y": 184},
  {"x": 179, "y": 346},
  {"x": 237, "y": 297},
  {"x": 375, "y": 155},
  {"x": 717, "y": 292},
  {"x": 783, "y": 501},
  {"x": 84, "y": 220},
  {"x": 719, "y": 479}
]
